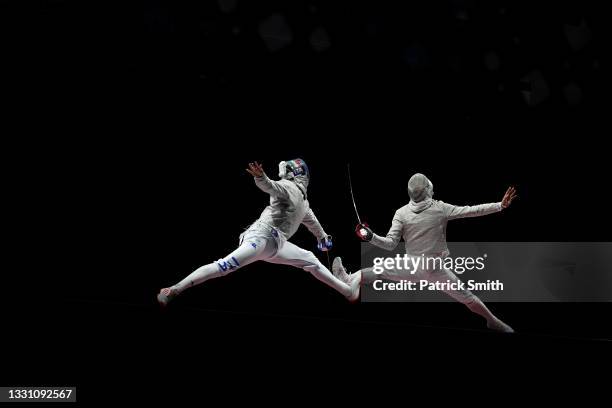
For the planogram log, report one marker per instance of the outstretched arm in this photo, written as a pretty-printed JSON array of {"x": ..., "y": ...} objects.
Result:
[
  {"x": 452, "y": 211},
  {"x": 274, "y": 188}
]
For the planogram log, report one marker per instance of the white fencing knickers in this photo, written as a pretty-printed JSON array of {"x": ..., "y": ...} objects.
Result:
[{"x": 260, "y": 242}]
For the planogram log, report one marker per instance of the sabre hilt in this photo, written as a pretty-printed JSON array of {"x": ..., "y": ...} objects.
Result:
[
  {"x": 364, "y": 232},
  {"x": 325, "y": 244}
]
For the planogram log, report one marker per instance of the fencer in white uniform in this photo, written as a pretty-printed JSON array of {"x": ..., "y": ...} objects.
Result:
[
  {"x": 422, "y": 225},
  {"x": 267, "y": 238}
]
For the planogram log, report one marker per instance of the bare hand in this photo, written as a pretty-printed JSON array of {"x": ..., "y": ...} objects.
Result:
[
  {"x": 255, "y": 170},
  {"x": 508, "y": 197}
]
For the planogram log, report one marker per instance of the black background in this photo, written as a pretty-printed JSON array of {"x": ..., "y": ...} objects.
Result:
[{"x": 129, "y": 173}]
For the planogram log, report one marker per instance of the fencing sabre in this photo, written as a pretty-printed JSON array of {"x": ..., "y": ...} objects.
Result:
[
  {"x": 362, "y": 230},
  {"x": 348, "y": 169}
]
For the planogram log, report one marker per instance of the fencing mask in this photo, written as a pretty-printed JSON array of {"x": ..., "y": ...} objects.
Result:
[
  {"x": 295, "y": 170},
  {"x": 420, "y": 190}
]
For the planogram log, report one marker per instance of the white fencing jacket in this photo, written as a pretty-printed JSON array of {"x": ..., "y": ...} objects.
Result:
[
  {"x": 288, "y": 208},
  {"x": 424, "y": 230}
]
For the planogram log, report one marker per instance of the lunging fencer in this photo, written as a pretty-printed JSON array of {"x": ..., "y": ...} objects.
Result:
[
  {"x": 422, "y": 225},
  {"x": 267, "y": 238}
]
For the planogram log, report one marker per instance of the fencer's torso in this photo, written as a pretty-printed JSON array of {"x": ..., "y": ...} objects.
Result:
[
  {"x": 424, "y": 232},
  {"x": 286, "y": 212}
]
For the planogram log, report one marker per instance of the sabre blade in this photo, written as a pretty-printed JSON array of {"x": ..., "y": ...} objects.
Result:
[{"x": 348, "y": 167}]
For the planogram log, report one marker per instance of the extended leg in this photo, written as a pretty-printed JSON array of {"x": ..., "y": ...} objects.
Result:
[
  {"x": 291, "y": 254},
  {"x": 470, "y": 300},
  {"x": 251, "y": 250}
]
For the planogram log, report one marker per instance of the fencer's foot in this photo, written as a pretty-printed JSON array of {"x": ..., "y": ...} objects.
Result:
[
  {"x": 355, "y": 284},
  {"x": 339, "y": 271},
  {"x": 499, "y": 326},
  {"x": 165, "y": 296},
  {"x": 352, "y": 280}
]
